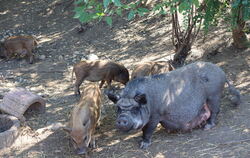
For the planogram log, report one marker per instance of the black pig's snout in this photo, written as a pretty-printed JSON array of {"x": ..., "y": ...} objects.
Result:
[{"x": 124, "y": 123}]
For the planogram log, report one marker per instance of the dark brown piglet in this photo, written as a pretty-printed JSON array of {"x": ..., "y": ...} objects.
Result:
[
  {"x": 18, "y": 46},
  {"x": 99, "y": 70}
]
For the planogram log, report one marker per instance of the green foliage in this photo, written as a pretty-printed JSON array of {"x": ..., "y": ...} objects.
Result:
[
  {"x": 88, "y": 10},
  {"x": 185, "y": 6},
  {"x": 91, "y": 10},
  {"x": 108, "y": 19},
  {"x": 106, "y": 3},
  {"x": 209, "y": 11},
  {"x": 213, "y": 7},
  {"x": 131, "y": 14},
  {"x": 240, "y": 11}
]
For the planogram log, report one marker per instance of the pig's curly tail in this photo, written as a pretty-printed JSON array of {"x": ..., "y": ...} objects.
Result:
[{"x": 236, "y": 99}]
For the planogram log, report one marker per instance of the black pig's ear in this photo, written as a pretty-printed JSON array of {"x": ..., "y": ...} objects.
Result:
[
  {"x": 113, "y": 97},
  {"x": 141, "y": 98}
]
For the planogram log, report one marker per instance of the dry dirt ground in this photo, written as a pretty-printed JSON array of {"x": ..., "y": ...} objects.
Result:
[{"x": 144, "y": 39}]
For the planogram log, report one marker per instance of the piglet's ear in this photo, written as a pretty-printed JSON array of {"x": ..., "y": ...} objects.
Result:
[{"x": 141, "y": 98}]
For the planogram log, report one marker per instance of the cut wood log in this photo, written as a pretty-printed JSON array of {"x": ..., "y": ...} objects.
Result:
[{"x": 17, "y": 101}]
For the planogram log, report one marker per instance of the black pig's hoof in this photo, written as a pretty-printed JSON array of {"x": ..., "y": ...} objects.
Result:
[
  {"x": 144, "y": 144},
  {"x": 209, "y": 126}
]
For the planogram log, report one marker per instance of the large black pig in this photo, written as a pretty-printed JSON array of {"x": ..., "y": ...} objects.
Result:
[{"x": 180, "y": 100}]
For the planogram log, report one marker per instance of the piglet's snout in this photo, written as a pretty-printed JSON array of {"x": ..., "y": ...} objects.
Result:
[
  {"x": 81, "y": 151},
  {"x": 124, "y": 123}
]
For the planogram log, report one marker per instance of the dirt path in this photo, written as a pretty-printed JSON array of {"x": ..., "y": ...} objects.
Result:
[{"x": 144, "y": 39}]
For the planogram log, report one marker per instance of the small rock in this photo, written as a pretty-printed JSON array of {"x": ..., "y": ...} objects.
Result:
[
  {"x": 42, "y": 57},
  {"x": 60, "y": 57},
  {"x": 58, "y": 151},
  {"x": 42, "y": 95},
  {"x": 21, "y": 80},
  {"x": 92, "y": 57},
  {"x": 76, "y": 52},
  {"x": 91, "y": 51},
  {"x": 246, "y": 130}
]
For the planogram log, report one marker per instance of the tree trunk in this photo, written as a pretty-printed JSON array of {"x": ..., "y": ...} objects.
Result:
[
  {"x": 181, "y": 54},
  {"x": 239, "y": 37}
]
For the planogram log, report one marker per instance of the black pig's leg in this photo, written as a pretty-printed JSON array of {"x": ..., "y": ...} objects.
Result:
[
  {"x": 214, "y": 105},
  {"x": 147, "y": 133}
]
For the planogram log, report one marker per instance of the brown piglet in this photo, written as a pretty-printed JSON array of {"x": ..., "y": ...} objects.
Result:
[
  {"x": 99, "y": 70},
  {"x": 151, "y": 68},
  {"x": 84, "y": 119},
  {"x": 20, "y": 46}
]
